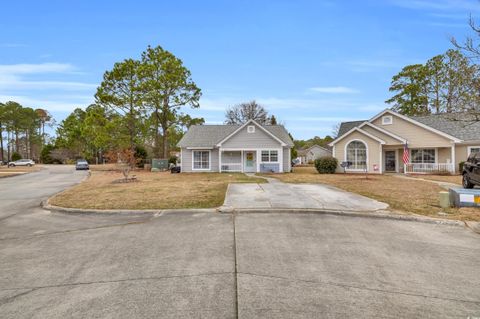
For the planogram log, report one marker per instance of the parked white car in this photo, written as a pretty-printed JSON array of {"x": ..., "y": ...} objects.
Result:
[{"x": 22, "y": 162}]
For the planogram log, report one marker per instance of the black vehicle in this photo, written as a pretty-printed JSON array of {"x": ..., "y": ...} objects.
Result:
[
  {"x": 471, "y": 171},
  {"x": 81, "y": 164}
]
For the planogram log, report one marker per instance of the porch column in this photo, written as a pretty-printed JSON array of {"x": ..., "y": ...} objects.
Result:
[
  {"x": 241, "y": 160},
  {"x": 259, "y": 158},
  {"x": 280, "y": 157},
  {"x": 454, "y": 165},
  {"x": 219, "y": 160}
]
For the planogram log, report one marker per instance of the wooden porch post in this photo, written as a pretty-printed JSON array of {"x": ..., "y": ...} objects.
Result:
[
  {"x": 454, "y": 165},
  {"x": 219, "y": 160}
]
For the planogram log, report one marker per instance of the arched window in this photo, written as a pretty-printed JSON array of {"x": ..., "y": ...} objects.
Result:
[{"x": 357, "y": 154}]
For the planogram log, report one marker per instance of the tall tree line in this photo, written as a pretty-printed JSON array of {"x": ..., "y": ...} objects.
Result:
[
  {"x": 137, "y": 105},
  {"x": 446, "y": 83},
  {"x": 22, "y": 131}
]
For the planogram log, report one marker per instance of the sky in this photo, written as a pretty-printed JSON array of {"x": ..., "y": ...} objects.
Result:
[{"x": 310, "y": 63}]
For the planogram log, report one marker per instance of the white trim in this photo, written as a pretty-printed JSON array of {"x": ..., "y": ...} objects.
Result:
[
  {"x": 220, "y": 150},
  {"x": 243, "y": 161},
  {"x": 245, "y": 124},
  {"x": 181, "y": 160},
  {"x": 373, "y": 137},
  {"x": 333, "y": 151},
  {"x": 387, "y": 117},
  {"x": 454, "y": 165},
  {"x": 423, "y": 148},
  {"x": 345, "y": 156},
  {"x": 469, "y": 149},
  {"x": 209, "y": 161},
  {"x": 200, "y": 148},
  {"x": 380, "y": 166},
  {"x": 401, "y": 139},
  {"x": 289, "y": 160},
  {"x": 408, "y": 119}
]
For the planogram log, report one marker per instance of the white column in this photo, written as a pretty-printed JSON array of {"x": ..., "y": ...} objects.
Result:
[
  {"x": 289, "y": 160},
  {"x": 219, "y": 160},
  {"x": 280, "y": 157},
  {"x": 259, "y": 157},
  {"x": 241, "y": 160},
  {"x": 454, "y": 165},
  {"x": 380, "y": 165}
]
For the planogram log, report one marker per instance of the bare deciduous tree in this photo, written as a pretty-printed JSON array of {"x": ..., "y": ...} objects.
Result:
[{"x": 241, "y": 113}]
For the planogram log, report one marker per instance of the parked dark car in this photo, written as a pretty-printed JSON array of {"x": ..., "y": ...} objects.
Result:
[
  {"x": 81, "y": 164},
  {"x": 471, "y": 171}
]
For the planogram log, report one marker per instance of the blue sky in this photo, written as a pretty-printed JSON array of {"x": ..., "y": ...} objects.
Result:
[{"x": 311, "y": 63}]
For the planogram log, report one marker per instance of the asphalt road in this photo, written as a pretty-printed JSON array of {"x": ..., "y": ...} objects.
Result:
[{"x": 187, "y": 265}]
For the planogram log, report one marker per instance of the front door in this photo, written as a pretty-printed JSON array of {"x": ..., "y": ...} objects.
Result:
[
  {"x": 390, "y": 161},
  {"x": 250, "y": 163}
]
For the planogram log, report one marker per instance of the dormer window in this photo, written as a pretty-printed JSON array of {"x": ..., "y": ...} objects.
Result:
[
  {"x": 387, "y": 120},
  {"x": 251, "y": 129}
]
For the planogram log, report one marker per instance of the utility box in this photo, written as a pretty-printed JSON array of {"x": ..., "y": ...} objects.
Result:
[
  {"x": 444, "y": 199},
  {"x": 159, "y": 164},
  {"x": 462, "y": 197}
]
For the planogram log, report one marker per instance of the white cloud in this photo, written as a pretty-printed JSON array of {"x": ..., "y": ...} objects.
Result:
[
  {"x": 334, "y": 90},
  {"x": 52, "y": 104},
  {"x": 15, "y": 84},
  {"x": 25, "y": 68},
  {"x": 12, "y": 45},
  {"x": 442, "y": 5}
]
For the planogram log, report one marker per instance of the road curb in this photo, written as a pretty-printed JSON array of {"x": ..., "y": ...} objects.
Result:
[
  {"x": 122, "y": 212},
  {"x": 374, "y": 214}
]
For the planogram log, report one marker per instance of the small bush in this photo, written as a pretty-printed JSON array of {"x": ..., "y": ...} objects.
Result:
[
  {"x": 16, "y": 157},
  {"x": 460, "y": 166},
  {"x": 326, "y": 165},
  {"x": 172, "y": 160}
]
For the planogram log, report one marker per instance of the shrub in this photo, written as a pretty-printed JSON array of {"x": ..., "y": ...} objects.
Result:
[
  {"x": 172, "y": 160},
  {"x": 326, "y": 165},
  {"x": 45, "y": 157},
  {"x": 16, "y": 156}
]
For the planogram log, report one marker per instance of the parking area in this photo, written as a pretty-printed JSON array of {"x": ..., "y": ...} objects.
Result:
[{"x": 277, "y": 194}]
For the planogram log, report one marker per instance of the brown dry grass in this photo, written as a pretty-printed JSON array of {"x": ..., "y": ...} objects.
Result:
[
  {"x": 405, "y": 195},
  {"x": 18, "y": 170},
  {"x": 454, "y": 179},
  {"x": 151, "y": 191}
]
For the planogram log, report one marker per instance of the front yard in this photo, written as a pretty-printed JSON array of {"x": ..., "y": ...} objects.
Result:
[
  {"x": 404, "y": 195},
  {"x": 150, "y": 191},
  {"x": 6, "y": 171}
]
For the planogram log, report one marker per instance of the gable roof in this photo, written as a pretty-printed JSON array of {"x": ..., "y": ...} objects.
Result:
[
  {"x": 209, "y": 136},
  {"x": 388, "y": 133},
  {"x": 357, "y": 129},
  {"x": 250, "y": 122},
  {"x": 463, "y": 126},
  {"x": 304, "y": 151},
  {"x": 455, "y": 126},
  {"x": 347, "y": 126}
]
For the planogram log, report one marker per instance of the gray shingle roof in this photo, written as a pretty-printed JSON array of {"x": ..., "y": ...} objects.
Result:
[
  {"x": 347, "y": 126},
  {"x": 210, "y": 135},
  {"x": 460, "y": 125}
]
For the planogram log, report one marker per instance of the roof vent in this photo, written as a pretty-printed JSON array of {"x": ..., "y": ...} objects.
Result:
[{"x": 251, "y": 129}]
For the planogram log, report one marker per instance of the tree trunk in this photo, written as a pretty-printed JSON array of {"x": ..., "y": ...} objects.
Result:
[
  {"x": 156, "y": 150},
  {"x": 1, "y": 143},
  {"x": 8, "y": 145},
  {"x": 165, "y": 141},
  {"x": 17, "y": 142}
]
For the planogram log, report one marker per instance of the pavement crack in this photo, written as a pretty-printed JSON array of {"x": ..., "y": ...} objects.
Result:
[
  {"x": 76, "y": 230},
  {"x": 112, "y": 281},
  {"x": 360, "y": 288},
  {"x": 12, "y": 298}
]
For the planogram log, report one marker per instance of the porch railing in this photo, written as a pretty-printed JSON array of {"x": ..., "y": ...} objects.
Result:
[
  {"x": 429, "y": 168},
  {"x": 231, "y": 167}
]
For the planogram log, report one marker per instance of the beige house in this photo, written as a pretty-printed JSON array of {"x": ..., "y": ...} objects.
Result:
[{"x": 435, "y": 143}]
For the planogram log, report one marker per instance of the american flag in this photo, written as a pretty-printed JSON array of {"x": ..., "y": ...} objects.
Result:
[{"x": 406, "y": 154}]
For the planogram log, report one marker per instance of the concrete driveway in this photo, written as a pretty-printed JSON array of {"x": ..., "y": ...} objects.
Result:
[
  {"x": 211, "y": 265},
  {"x": 277, "y": 194}
]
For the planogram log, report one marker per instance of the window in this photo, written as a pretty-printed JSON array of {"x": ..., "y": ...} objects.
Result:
[
  {"x": 357, "y": 155},
  {"x": 201, "y": 160},
  {"x": 387, "y": 120},
  {"x": 251, "y": 129},
  {"x": 269, "y": 156},
  {"x": 473, "y": 149},
  {"x": 423, "y": 156}
]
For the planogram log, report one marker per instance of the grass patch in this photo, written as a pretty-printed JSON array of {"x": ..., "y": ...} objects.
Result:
[
  {"x": 152, "y": 190},
  {"x": 6, "y": 171},
  {"x": 406, "y": 195},
  {"x": 454, "y": 179}
]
